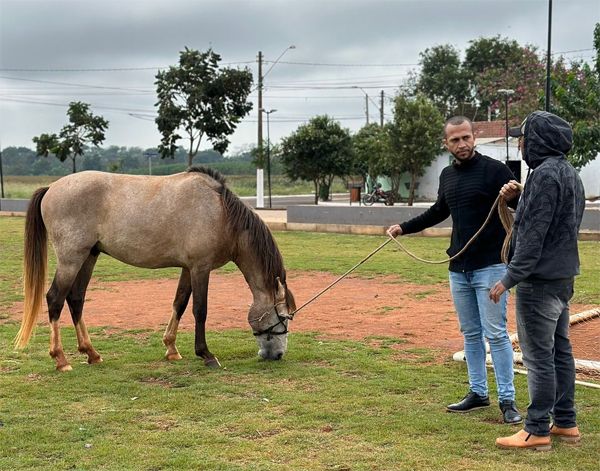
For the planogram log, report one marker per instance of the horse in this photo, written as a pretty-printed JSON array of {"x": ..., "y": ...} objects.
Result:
[{"x": 190, "y": 220}]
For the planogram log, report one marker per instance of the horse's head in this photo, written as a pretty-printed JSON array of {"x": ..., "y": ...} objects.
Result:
[{"x": 269, "y": 322}]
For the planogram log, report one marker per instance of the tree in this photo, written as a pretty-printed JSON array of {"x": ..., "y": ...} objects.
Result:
[
  {"x": 317, "y": 152},
  {"x": 525, "y": 74},
  {"x": 576, "y": 98},
  {"x": 442, "y": 79},
  {"x": 484, "y": 54},
  {"x": 371, "y": 149},
  {"x": 198, "y": 99},
  {"x": 83, "y": 128},
  {"x": 416, "y": 136}
]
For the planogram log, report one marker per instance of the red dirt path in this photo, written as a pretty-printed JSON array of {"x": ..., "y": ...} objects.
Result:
[{"x": 353, "y": 309}]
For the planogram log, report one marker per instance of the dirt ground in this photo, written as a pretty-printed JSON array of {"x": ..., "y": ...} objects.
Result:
[{"x": 423, "y": 316}]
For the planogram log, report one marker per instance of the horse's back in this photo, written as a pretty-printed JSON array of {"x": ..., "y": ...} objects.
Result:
[{"x": 147, "y": 221}]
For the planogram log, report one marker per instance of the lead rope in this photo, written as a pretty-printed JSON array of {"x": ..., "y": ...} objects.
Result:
[{"x": 506, "y": 218}]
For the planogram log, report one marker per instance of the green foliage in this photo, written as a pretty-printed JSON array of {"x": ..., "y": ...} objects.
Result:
[
  {"x": 443, "y": 80},
  {"x": 597, "y": 47},
  {"x": 489, "y": 56},
  {"x": 317, "y": 152},
  {"x": 525, "y": 75},
  {"x": 416, "y": 136},
  {"x": 576, "y": 98},
  {"x": 83, "y": 128},
  {"x": 490, "y": 64},
  {"x": 371, "y": 149},
  {"x": 198, "y": 99}
]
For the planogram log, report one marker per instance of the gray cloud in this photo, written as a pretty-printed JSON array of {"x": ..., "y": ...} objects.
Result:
[{"x": 69, "y": 34}]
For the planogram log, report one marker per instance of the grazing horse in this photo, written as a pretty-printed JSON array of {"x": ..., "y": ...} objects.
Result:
[{"x": 189, "y": 220}]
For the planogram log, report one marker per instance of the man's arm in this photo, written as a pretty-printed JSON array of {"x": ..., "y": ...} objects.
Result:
[
  {"x": 535, "y": 220},
  {"x": 434, "y": 215}
]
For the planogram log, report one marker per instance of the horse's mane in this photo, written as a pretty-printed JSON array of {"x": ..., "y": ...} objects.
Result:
[{"x": 241, "y": 218}]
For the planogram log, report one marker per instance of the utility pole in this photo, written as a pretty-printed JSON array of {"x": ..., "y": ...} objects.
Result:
[
  {"x": 260, "y": 195},
  {"x": 506, "y": 92},
  {"x": 548, "y": 58},
  {"x": 381, "y": 110},
  {"x": 1, "y": 176},
  {"x": 367, "y": 107}
]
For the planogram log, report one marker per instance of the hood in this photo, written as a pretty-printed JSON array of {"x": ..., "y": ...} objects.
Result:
[{"x": 546, "y": 135}]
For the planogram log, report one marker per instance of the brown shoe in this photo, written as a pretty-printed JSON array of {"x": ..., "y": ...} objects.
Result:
[
  {"x": 524, "y": 439},
  {"x": 569, "y": 434}
]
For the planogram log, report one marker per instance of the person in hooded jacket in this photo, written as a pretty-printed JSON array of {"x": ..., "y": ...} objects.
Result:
[
  {"x": 543, "y": 265},
  {"x": 467, "y": 191}
]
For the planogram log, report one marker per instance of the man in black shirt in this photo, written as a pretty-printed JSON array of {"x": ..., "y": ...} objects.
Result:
[{"x": 467, "y": 190}]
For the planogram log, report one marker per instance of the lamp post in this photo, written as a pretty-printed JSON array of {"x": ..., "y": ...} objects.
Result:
[
  {"x": 259, "y": 171},
  {"x": 506, "y": 92},
  {"x": 366, "y": 101},
  {"x": 268, "y": 113}
]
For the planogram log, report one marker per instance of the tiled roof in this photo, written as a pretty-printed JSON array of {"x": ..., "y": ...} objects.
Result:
[{"x": 486, "y": 129}]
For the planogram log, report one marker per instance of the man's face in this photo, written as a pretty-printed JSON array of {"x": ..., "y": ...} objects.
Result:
[{"x": 460, "y": 141}]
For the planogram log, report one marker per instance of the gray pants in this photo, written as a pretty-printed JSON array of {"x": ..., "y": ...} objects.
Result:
[{"x": 543, "y": 327}]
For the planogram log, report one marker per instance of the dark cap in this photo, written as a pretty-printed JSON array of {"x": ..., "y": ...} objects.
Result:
[{"x": 518, "y": 131}]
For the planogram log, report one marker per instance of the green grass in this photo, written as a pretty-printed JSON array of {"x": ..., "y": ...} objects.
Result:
[
  {"x": 243, "y": 185},
  {"x": 329, "y": 405}
]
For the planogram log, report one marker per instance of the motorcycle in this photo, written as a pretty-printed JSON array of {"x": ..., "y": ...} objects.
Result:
[{"x": 377, "y": 195}]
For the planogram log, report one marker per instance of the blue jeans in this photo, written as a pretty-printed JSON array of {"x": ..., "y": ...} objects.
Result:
[
  {"x": 543, "y": 327},
  {"x": 480, "y": 317}
]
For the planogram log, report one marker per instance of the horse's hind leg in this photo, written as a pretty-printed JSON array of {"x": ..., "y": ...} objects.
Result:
[
  {"x": 184, "y": 289},
  {"x": 75, "y": 300},
  {"x": 200, "y": 308},
  {"x": 66, "y": 273}
]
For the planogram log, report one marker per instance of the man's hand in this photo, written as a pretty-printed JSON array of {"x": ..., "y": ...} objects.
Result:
[
  {"x": 497, "y": 291},
  {"x": 511, "y": 190},
  {"x": 394, "y": 230}
]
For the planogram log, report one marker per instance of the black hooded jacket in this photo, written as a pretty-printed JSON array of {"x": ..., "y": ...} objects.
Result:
[
  {"x": 551, "y": 208},
  {"x": 467, "y": 191}
]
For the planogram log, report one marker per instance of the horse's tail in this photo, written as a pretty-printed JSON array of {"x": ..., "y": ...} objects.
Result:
[{"x": 34, "y": 267}]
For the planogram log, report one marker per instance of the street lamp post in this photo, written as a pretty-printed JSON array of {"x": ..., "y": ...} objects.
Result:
[
  {"x": 268, "y": 113},
  {"x": 506, "y": 92},
  {"x": 261, "y": 76}
]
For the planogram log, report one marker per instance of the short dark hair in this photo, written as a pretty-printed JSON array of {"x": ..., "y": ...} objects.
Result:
[{"x": 456, "y": 121}]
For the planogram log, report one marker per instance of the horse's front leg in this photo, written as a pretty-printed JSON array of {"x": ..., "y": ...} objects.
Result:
[
  {"x": 184, "y": 289},
  {"x": 200, "y": 309}
]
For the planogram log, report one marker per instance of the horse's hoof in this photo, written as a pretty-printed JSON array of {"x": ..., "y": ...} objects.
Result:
[
  {"x": 173, "y": 356},
  {"x": 64, "y": 368},
  {"x": 94, "y": 360},
  {"x": 212, "y": 362}
]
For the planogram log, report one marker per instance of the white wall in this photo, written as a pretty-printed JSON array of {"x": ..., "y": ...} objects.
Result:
[{"x": 590, "y": 176}]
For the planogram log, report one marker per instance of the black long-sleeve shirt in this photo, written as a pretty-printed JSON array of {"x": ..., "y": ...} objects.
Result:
[{"x": 467, "y": 192}]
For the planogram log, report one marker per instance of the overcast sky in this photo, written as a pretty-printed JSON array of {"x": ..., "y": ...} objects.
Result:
[{"x": 107, "y": 52}]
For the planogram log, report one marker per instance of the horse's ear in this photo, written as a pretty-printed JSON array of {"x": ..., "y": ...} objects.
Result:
[{"x": 280, "y": 294}]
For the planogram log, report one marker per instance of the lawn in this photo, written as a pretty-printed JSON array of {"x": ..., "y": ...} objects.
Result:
[{"x": 374, "y": 404}]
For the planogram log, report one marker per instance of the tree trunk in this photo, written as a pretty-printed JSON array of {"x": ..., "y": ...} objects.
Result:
[
  {"x": 74, "y": 167},
  {"x": 190, "y": 159},
  {"x": 324, "y": 191},
  {"x": 411, "y": 192},
  {"x": 316, "y": 183}
]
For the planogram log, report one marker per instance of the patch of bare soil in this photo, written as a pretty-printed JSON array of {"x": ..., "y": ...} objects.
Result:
[{"x": 423, "y": 316}]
